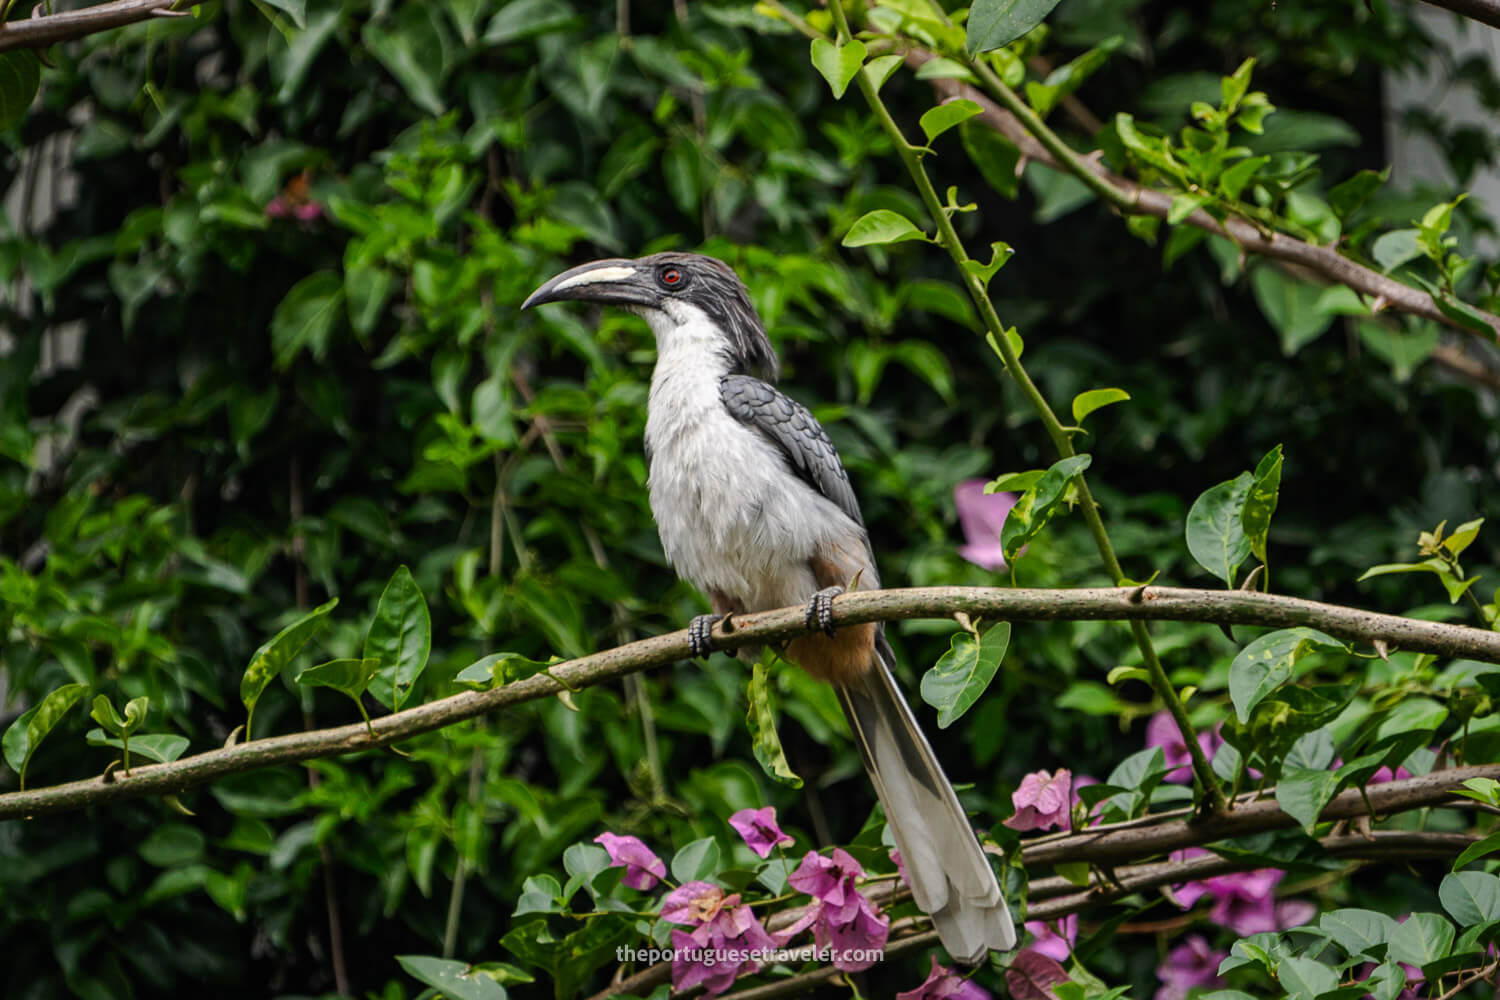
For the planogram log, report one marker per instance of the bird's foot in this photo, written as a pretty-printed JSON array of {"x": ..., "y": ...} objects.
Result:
[
  {"x": 820, "y": 609},
  {"x": 700, "y": 634}
]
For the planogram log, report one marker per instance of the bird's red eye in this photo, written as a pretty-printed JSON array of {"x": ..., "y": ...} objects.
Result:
[{"x": 671, "y": 276}]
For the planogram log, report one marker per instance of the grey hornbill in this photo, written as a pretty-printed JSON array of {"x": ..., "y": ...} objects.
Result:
[{"x": 755, "y": 509}]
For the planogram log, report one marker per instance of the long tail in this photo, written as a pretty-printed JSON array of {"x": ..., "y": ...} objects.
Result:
[{"x": 951, "y": 880}]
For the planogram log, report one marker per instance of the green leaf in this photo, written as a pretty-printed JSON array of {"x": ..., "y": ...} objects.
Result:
[
  {"x": 453, "y": 979},
  {"x": 1233, "y": 180},
  {"x": 698, "y": 860},
  {"x": 1358, "y": 932},
  {"x": 1471, "y": 897},
  {"x": 295, "y": 9},
  {"x": 1087, "y": 402},
  {"x": 1463, "y": 536},
  {"x": 995, "y": 156},
  {"x": 999, "y": 254},
  {"x": 1038, "y": 504},
  {"x": 1397, "y": 247},
  {"x": 1412, "y": 715},
  {"x": 880, "y": 69},
  {"x": 27, "y": 732},
  {"x": 1403, "y": 348},
  {"x": 881, "y": 226},
  {"x": 838, "y": 63},
  {"x": 1216, "y": 527},
  {"x": 761, "y": 719},
  {"x": 961, "y": 675},
  {"x": 20, "y": 76},
  {"x": 349, "y": 676},
  {"x": 1294, "y": 307},
  {"x": 1347, "y": 197},
  {"x": 400, "y": 637},
  {"x": 1266, "y": 664},
  {"x": 1303, "y": 792},
  {"x": 412, "y": 50},
  {"x": 161, "y": 747},
  {"x": 993, "y": 23},
  {"x": 103, "y": 712},
  {"x": 1305, "y": 978},
  {"x": 946, "y": 115},
  {"x": 1260, "y": 502},
  {"x": 304, "y": 319},
  {"x": 525, "y": 19},
  {"x": 1479, "y": 849},
  {"x": 1423, "y": 938},
  {"x": 273, "y": 656}
]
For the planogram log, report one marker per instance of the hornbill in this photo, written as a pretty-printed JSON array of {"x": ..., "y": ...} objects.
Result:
[{"x": 755, "y": 509}]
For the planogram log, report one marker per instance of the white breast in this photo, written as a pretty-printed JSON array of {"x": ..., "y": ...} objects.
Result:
[{"x": 732, "y": 517}]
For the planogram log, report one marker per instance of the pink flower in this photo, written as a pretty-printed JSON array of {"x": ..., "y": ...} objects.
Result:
[
  {"x": 1190, "y": 964},
  {"x": 280, "y": 207},
  {"x": 842, "y": 918},
  {"x": 900, "y": 866},
  {"x": 1055, "y": 939},
  {"x": 1162, "y": 732},
  {"x": 715, "y": 953},
  {"x": 695, "y": 903},
  {"x": 1032, "y": 975},
  {"x": 642, "y": 868},
  {"x": 758, "y": 827},
  {"x": 1243, "y": 901},
  {"x": 943, "y": 983},
  {"x": 982, "y": 515},
  {"x": 1042, "y": 801}
]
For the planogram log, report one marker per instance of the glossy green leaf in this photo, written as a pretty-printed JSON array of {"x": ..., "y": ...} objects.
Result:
[
  {"x": 305, "y": 318},
  {"x": 160, "y": 747},
  {"x": 348, "y": 676},
  {"x": 993, "y": 23},
  {"x": 273, "y": 656},
  {"x": 1471, "y": 897},
  {"x": 400, "y": 638},
  {"x": 881, "y": 68},
  {"x": 1347, "y": 197},
  {"x": 698, "y": 860},
  {"x": 838, "y": 63},
  {"x": 1260, "y": 502},
  {"x": 1216, "y": 527},
  {"x": 1423, "y": 938},
  {"x": 1039, "y": 504},
  {"x": 1479, "y": 849},
  {"x": 1303, "y": 792},
  {"x": 1094, "y": 399},
  {"x": 764, "y": 741},
  {"x": 24, "y": 735},
  {"x": 1357, "y": 931},
  {"x": 1267, "y": 663},
  {"x": 940, "y": 119},
  {"x": 881, "y": 226},
  {"x": 453, "y": 979},
  {"x": 963, "y": 673},
  {"x": 20, "y": 76},
  {"x": 1397, "y": 247}
]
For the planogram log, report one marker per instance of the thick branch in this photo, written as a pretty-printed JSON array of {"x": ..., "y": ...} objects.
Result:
[
  {"x": 1483, "y": 11},
  {"x": 48, "y": 29},
  {"x": 1139, "y": 199},
  {"x": 1085, "y": 604}
]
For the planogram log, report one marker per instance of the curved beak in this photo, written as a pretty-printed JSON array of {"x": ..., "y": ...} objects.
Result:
[{"x": 614, "y": 281}]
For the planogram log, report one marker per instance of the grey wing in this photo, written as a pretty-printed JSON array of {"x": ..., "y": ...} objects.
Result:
[{"x": 789, "y": 425}]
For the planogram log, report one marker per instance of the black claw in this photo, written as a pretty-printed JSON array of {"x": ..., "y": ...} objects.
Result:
[
  {"x": 820, "y": 609},
  {"x": 700, "y": 635}
]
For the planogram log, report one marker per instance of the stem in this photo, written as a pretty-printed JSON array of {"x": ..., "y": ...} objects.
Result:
[{"x": 911, "y": 156}]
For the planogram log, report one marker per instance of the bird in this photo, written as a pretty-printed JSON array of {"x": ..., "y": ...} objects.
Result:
[{"x": 755, "y": 509}]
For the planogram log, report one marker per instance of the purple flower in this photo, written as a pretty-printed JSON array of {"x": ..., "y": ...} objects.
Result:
[
  {"x": 642, "y": 868},
  {"x": 1042, "y": 801},
  {"x": 982, "y": 515},
  {"x": 943, "y": 983},
  {"x": 1243, "y": 901},
  {"x": 1190, "y": 964},
  {"x": 758, "y": 827},
  {"x": 1032, "y": 975},
  {"x": 1162, "y": 732},
  {"x": 842, "y": 918},
  {"x": 900, "y": 866},
  {"x": 695, "y": 903},
  {"x": 1055, "y": 939},
  {"x": 715, "y": 953}
]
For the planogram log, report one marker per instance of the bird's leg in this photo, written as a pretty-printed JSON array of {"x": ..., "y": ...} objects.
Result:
[
  {"x": 820, "y": 609},
  {"x": 700, "y": 634}
]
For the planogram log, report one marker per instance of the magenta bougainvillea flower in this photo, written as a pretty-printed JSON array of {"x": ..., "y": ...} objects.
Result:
[
  {"x": 1032, "y": 976},
  {"x": 694, "y": 903},
  {"x": 1042, "y": 801},
  {"x": 1244, "y": 901},
  {"x": 717, "y": 952},
  {"x": 842, "y": 918},
  {"x": 1056, "y": 938},
  {"x": 758, "y": 827},
  {"x": 943, "y": 983},
  {"x": 982, "y": 515},
  {"x": 1192, "y": 963},
  {"x": 1162, "y": 732},
  {"x": 643, "y": 870}
]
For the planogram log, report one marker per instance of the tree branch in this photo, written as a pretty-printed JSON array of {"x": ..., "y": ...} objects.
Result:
[
  {"x": 41, "y": 30},
  {"x": 1083, "y": 604},
  {"x": 1138, "y": 199},
  {"x": 1483, "y": 11}
]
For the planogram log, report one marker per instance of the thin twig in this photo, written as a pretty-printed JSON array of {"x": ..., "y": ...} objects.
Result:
[
  {"x": 39, "y": 32},
  {"x": 1483, "y": 11}
]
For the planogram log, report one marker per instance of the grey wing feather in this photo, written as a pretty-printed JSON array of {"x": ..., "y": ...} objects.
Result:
[{"x": 789, "y": 425}]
